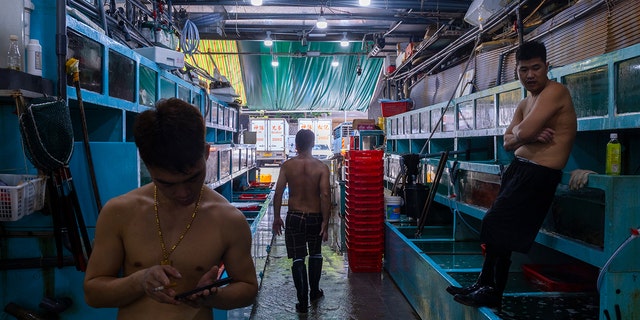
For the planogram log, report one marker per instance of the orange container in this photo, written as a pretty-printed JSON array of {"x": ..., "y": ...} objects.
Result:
[{"x": 265, "y": 177}]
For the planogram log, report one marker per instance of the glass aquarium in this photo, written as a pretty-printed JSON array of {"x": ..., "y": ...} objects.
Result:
[
  {"x": 477, "y": 188},
  {"x": 90, "y": 54},
  {"x": 508, "y": 102},
  {"x": 628, "y": 86},
  {"x": 225, "y": 162},
  {"x": 589, "y": 91},
  {"x": 465, "y": 115},
  {"x": 212, "y": 165},
  {"x": 485, "y": 113},
  {"x": 147, "y": 86},
  {"x": 122, "y": 76}
]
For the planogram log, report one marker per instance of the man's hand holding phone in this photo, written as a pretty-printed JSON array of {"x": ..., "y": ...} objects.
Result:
[
  {"x": 200, "y": 291},
  {"x": 206, "y": 288}
]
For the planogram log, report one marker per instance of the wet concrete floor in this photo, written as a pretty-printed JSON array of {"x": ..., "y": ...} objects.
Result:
[{"x": 348, "y": 295}]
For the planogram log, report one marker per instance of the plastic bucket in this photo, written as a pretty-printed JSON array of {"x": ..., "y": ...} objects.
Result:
[
  {"x": 416, "y": 195},
  {"x": 393, "y": 206}
]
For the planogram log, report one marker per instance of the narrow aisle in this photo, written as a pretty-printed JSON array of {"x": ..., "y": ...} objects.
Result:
[{"x": 347, "y": 295}]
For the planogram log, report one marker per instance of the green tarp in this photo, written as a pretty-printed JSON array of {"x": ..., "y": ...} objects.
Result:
[{"x": 301, "y": 82}]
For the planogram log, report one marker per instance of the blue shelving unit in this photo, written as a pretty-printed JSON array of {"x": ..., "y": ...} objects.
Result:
[
  {"x": 603, "y": 99},
  {"x": 110, "y": 109}
]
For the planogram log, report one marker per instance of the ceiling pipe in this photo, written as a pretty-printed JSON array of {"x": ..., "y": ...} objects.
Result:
[
  {"x": 542, "y": 34},
  {"x": 464, "y": 40}
]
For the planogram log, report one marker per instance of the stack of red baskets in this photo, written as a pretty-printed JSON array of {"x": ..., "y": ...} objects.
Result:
[{"x": 364, "y": 210}]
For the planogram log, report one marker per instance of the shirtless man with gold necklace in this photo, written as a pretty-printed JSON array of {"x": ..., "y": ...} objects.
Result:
[{"x": 170, "y": 235}]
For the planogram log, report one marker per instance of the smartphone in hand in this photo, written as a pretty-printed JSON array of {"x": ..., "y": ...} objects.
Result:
[{"x": 217, "y": 283}]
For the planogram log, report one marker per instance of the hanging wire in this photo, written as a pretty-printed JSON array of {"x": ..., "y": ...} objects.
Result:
[
  {"x": 190, "y": 38},
  {"x": 635, "y": 233},
  {"x": 450, "y": 101}
]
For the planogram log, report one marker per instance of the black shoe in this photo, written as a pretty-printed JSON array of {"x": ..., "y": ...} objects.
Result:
[
  {"x": 313, "y": 296},
  {"x": 302, "y": 308},
  {"x": 463, "y": 290},
  {"x": 485, "y": 296}
]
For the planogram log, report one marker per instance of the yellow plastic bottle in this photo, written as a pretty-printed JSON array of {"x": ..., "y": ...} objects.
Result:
[{"x": 614, "y": 156}]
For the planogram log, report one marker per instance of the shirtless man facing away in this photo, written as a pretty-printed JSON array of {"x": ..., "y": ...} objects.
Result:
[
  {"x": 307, "y": 219},
  {"x": 541, "y": 133},
  {"x": 170, "y": 235}
]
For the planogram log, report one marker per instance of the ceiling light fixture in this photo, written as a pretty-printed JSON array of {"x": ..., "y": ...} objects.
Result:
[
  {"x": 335, "y": 62},
  {"x": 364, "y": 2},
  {"x": 274, "y": 61},
  {"x": 268, "y": 41},
  {"x": 322, "y": 21},
  {"x": 258, "y": 3},
  {"x": 344, "y": 42}
]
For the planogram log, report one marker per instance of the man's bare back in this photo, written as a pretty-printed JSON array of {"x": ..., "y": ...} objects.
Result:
[
  {"x": 309, "y": 188},
  {"x": 303, "y": 176}
]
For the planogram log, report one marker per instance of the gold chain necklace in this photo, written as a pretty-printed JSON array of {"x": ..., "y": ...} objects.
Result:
[{"x": 165, "y": 254}]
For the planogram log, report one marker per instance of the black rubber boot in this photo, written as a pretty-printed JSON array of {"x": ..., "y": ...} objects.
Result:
[
  {"x": 486, "y": 296},
  {"x": 484, "y": 279},
  {"x": 299, "y": 272},
  {"x": 453, "y": 290},
  {"x": 489, "y": 295},
  {"x": 315, "y": 272}
]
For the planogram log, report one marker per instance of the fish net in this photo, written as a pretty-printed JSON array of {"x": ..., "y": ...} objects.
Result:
[{"x": 45, "y": 126}]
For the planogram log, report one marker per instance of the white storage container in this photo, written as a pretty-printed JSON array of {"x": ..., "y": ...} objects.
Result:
[
  {"x": 22, "y": 195},
  {"x": 165, "y": 58}
]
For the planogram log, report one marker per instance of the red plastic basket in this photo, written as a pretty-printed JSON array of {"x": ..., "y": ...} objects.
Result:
[
  {"x": 253, "y": 196},
  {"x": 366, "y": 199},
  {"x": 249, "y": 208},
  {"x": 366, "y": 204},
  {"x": 365, "y": 155},
  {"x": 370, "y": 164},
  {"x": 562, "y": 277},
  {"x": 372, "y": 178},
  {"x": 393, "y": 108},
  {"x": 374, "y": 170},
  {"x": 261, "y": 185},
  {"x": 356, "y": 187},
  {"x": 365, "y": 214},
  {"x": 376, "y": 247},
  {"x": 363, "y": 260},
  {"x": 364, "y": 241},
  {"x": 361, "y": 222}
]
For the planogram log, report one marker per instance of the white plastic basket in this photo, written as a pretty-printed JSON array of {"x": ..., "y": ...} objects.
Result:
[{"x": 22, "y": 195}]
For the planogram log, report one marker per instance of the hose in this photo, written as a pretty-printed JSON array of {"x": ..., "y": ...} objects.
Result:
[
  {"x": 634, "y": 234},
  {"x": 190, "y": 38}
]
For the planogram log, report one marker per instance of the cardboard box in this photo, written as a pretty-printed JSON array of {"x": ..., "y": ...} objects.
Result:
[
  {"x": 364, "y": 124},
  {"x": 409, "y": 50}
]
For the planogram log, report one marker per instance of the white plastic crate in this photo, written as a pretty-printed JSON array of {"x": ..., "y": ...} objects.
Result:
[{"x": 22, "y": 195}]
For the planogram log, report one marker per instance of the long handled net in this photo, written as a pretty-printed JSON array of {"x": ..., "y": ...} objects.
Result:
[
  {"x": 45, "y": 126},
  {"x": 47, "y": 133}
]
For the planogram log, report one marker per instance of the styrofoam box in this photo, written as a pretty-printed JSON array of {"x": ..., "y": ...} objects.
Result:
[{"x": 166, "y": 58}]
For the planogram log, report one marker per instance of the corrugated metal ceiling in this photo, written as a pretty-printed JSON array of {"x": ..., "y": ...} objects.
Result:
[{"x": 305, "y": 79}]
